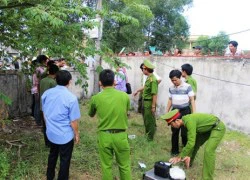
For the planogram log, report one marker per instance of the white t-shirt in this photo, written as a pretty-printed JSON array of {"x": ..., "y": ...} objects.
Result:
[{"x": 238, "y": 52}]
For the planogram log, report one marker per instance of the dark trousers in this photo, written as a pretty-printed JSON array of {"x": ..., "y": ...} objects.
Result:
[
  {"x": 37, "y": 109},
  {"x": 140, "y": 103},
  {"x": 176, "y": 131},
  {"x": 65, "y": 152},
  {"x": 46, "y": 141}
]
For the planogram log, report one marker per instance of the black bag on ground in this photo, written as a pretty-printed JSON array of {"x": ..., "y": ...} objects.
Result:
[
  {"x": 162, "y": 169},
  {"x": 129, "y": 90}
]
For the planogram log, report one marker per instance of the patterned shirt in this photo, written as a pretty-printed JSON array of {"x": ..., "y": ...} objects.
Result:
[
  {"x": 180, "y": 95},
  {"x": 120, "y": 79}
]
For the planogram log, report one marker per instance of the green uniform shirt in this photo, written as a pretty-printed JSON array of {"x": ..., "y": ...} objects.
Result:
[
  {"x": 46, "y": 83},
  {"x": 196, "y": 123},
  {"x": 190, "y": 80},
  {"x": 111, "y": 107},
  {"x": 150, "y": 87}
]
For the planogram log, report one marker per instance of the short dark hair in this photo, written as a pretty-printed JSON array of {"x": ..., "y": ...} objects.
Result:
[
  {"x": 63, "y": 77},
  {"x": 175, "y": 73},
  {"x": 234, "y": 43},
  {"x": 188, "y": 68},
  {"x": 42, "y": 58},
  {"x": 107, "y": 77},
  {"x": 53, "y": 69},
  {"x": 149, "y": 70},
  {"x": 141, "y": 66},
  {"x": 50, "y": 62}
]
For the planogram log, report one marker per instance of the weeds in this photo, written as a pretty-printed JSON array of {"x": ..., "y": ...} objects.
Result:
[{"x": 232, "y": 162}]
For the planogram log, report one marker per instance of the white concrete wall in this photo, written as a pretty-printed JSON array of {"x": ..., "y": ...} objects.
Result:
[{"x": 229, "y": 101}]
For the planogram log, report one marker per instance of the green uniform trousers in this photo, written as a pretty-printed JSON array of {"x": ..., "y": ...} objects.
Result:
[
  {"x": 111, "y": 144},
  {"x": 212, "y": 139},
  {"x": 149, "y": 120}
]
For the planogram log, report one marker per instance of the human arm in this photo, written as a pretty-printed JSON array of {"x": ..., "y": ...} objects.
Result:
[
  {"x": 74, "y": 125},
  {"x": 92, "y": 108},
  {"x": 192, "y": 101},
  {"x": 154, "y": 98},
  {"x": 138, "y": 90},
  {"x": 177, "y": 159},
  {"x": 191, "y": 126},
  {"x": 158, "y": 78},
  {"x": 169, "y": 105},
  {"x": 191, "y": 98}
]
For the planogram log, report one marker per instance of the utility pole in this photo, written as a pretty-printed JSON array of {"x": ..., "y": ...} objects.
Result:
[{"x": 98, "y": 47}]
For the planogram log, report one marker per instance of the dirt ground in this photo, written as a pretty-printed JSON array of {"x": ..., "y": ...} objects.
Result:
[{"x": 11, "y": 129}]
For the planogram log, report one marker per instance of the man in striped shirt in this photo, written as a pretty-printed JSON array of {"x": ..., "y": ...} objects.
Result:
[{"x": 181, "y": 96}]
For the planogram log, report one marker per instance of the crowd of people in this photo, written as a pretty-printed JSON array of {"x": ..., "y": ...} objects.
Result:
[
  {"x": 111, "y": 105},
  {"x": 197, "y": 51},
  {"x": 57, "y": 110}
]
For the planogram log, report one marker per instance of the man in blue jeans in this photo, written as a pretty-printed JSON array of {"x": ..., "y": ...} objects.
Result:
[{"x": 61, "y": 112}]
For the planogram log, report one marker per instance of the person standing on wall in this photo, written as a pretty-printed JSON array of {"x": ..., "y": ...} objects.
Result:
[
  {"x": 181, "y": 96},
  {"x": 111, "y": 106}
]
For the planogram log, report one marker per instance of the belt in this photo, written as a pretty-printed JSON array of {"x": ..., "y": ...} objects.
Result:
[
  {"x": 113, "y": 131},
  {"x": 147, "y": 99},
  {"x": 216, "y": 123}
]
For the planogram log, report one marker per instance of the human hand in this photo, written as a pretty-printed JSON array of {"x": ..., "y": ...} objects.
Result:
[
  {"x": 77, "y": 138},
  {"x": 153, "y": 109},
  {"x": 134, "y": 94},
  {"x": 175, "y": 160},
  {"x": 187, "y": 161}
]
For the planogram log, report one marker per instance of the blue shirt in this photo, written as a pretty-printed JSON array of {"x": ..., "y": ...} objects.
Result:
[{"x": 60, "y": 108}]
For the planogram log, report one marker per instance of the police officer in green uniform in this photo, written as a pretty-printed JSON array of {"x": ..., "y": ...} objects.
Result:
[
  {"x": 201, "y": 128},
  {"x": 187, "y": 70},
  {"x": 111, "y": 107},
  {"x": 149, "y": 100}
]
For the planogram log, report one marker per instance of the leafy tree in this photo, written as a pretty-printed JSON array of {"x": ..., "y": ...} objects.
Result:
[
  {"x": 169, "y": 27},
  {"x": 124, "y": 24},
  {"x": 214, "y": 45},
  {"x": 56, "y": 27},
  {"x": 219, "y": 43},
  {"x": 203, "y": 41}
]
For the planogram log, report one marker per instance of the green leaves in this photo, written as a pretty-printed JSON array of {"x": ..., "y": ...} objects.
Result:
[
  {"x": 5, "y": 99},
  {"x": 215, "y": 44}
]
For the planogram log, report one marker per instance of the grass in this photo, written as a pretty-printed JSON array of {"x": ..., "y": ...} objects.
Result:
[{"x": 232, "y": 163}]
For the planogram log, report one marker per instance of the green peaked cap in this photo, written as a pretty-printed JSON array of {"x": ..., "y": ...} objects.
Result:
[
  {"x": 168, "y": 116},
  {"x": 148, "y": 64}
]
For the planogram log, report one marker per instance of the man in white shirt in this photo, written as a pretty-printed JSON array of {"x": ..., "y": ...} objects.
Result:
[{"x": 232, "y": 50}]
